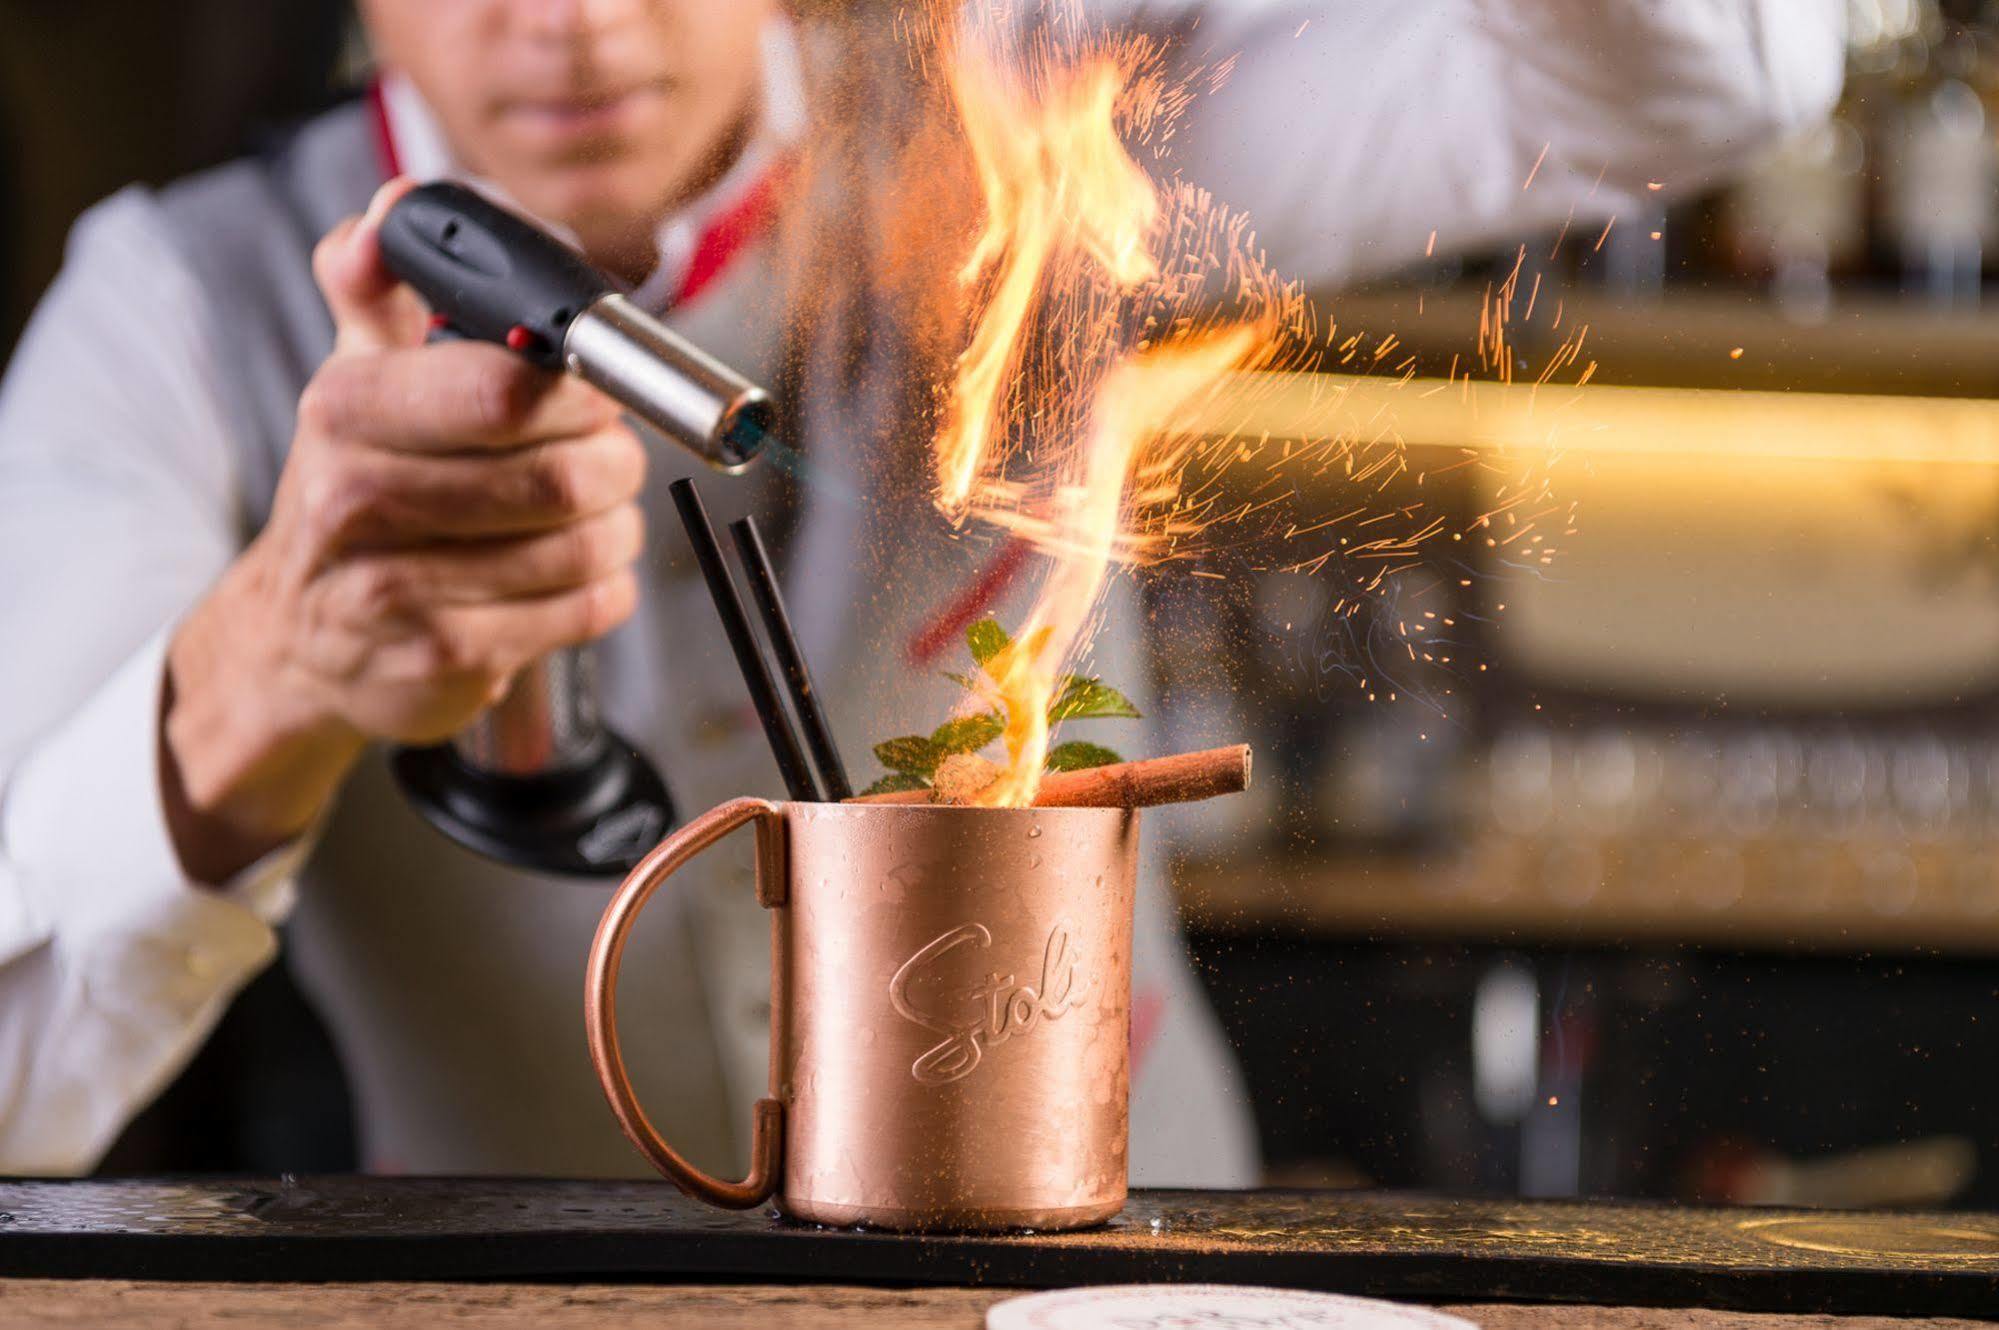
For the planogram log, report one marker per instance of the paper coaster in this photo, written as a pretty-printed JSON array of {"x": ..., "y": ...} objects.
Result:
[{"x": 1179, "y": 1306}]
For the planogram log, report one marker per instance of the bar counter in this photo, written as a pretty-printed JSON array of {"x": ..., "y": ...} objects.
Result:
[
  {"x": 492, "y": 1251},
  {"x": 123, "y": 1305}
]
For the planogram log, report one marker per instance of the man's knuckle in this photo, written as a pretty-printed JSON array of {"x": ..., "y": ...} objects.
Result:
[
  {"x": 607, "y": 603},
  {"x": 380, "y": 592},
  {"x": 551, "y": 482},
  {"x": 564, "y": 554},
  {"x": 600, "y": 545},
  {"x": 325, "y": 251},
  {"x": 320, "y": 622},
  {"x": 500, "y": 389},
  {"x": 347, "y": 500},
  {"x": 637, "y": 460},
  {"x": 327, "y": 505},
  {"x": 320, "y": 405},
  {"x": 446, "y": 652},
  {"x": 630, "y": 526}
]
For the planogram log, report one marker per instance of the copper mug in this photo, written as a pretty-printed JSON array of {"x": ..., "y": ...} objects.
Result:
[{"x": 950, "y": 1013}]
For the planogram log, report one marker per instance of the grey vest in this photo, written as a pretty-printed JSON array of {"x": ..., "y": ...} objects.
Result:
[{"x": 247, "y": 232}]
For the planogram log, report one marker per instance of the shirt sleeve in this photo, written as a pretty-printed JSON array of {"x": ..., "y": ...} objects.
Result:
[
  {"x": 118, "y": 508},
  {"x": 1353, "y": 133}
]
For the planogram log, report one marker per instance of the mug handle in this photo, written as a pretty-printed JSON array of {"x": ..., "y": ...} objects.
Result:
[{"x": 600, "y": 1002}]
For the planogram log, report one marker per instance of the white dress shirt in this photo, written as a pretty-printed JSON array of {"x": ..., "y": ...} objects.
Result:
[{"x": 1349, "y": 131}]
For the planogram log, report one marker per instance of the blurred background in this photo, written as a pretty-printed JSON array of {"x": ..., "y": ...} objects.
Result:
[
  {"x": 1673, "y": 873},
  {"x": 1688, "y": 886}
]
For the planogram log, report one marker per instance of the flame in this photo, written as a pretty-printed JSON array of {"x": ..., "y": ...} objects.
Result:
[
  {"x": 1100, "y": 321},
  {"x": 1074, "y": 238},
  {"x": 1058, "y": 185},
  {"x": 1091, "y": 512}
]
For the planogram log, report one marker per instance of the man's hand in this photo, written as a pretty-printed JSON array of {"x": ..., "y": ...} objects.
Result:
[{"x": 447, "y": 514}]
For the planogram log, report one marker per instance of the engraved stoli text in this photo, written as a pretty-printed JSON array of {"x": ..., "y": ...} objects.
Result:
[{"x": 976, "y": 1016}]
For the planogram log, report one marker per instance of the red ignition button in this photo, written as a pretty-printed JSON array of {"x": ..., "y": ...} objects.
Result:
[{"x": 523, "y": 339}]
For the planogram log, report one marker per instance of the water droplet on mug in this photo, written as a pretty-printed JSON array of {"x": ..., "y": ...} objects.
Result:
[{"x": 1033, "y": 833}]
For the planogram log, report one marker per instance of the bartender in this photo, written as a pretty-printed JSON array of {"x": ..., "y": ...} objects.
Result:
[{"x": 251, "y": 529}]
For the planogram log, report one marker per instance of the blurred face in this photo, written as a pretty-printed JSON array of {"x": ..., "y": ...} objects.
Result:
[{"x": 600, "y": 114}]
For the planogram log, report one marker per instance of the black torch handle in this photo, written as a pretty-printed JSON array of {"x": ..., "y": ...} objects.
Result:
[
  {"x": 488, "y": 274},
  {"x": 494, "y": 277},
  {"x": 536, "y": 781}
]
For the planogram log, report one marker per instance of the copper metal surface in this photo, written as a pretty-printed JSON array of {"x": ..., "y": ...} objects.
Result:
[
  {"x": 600, "y": 1001},
  {"x": 950, "y": 1038}
]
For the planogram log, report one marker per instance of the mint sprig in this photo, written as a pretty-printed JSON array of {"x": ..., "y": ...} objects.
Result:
[{"x": 912, "y": 759}]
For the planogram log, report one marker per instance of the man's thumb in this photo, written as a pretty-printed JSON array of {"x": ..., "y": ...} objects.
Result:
[{"x": 372, "y": 311}]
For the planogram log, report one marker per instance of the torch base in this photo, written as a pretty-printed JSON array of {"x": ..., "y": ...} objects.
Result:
[{"x": 594, "y": 819}]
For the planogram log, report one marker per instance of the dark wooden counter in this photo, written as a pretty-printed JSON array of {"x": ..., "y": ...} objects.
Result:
[
  {"x": 123, "y": 1305},
  {"x": 1404, "y": 1246}
]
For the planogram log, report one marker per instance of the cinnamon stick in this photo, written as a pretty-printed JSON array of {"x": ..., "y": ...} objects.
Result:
[{"x": 1176, "y": 779}]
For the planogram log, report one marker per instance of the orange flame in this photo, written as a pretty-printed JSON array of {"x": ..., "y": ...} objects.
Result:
[
  {"x": 1090, "y": 511},
  {"x": 1057, "y": 184},
  {"x": 1073, "y": 231}
]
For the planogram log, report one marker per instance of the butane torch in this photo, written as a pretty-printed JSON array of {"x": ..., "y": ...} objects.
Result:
[{"x": 539, "y": 780}]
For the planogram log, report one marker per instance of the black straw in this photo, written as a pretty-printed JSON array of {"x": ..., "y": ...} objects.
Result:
[
  {"x": 736, "y": 623},
  {"x": 790, "y": 659}
]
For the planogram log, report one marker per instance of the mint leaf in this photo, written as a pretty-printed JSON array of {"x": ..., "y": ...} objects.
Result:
[
  {"x": 1089, "y": 697},
  {"x": 915, "y": 760},
  {"x": 1077, "y": 755},
  {"x": 912, "y": 753},
  {"x": 967, "y": 734},
  {"x": 896, "y": 782},
  {"x": 986, "y": 639}
]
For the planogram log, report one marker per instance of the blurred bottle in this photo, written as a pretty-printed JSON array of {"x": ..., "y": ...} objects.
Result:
[
  {"x": 1898, "y": 186},
  {"x": 1800, "y": 215},
  {"x": 1940, "y": 165}
]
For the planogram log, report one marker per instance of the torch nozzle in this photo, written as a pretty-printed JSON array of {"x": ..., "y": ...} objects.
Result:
[
  {"x": 668, "y": 382},
  {"x": 745, "y": 431}
]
